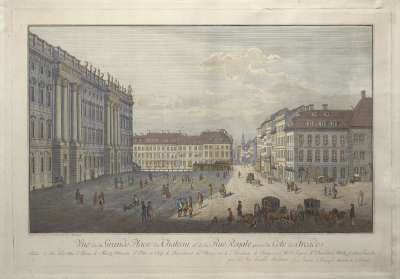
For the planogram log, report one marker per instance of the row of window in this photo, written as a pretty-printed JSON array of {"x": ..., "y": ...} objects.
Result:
[
  {"x": 325, "y": 140},
  {"x": 180, "y": 147},
  {"x": 126, "y": 159},
  {"x": 92, "y": 136},
  {"x": 126, "y": 140},
  {"x": 126, "y": 122},
  {"x": 317, "y": 156},
  {"x": 288, "y": 155},
  {"x": 359, "y": 155},
  {"x": 39, "y": 96},
  {"x": 38, "y": 164},
  {"x": 92, "y": 111},
  {"x": 93, "y": 161},
  {"x": 165, "y": 164},
  {"x": 40, "y": 128},
  {"x": 358, "y": 138},
  {"x": 41, "y": 68},
  {"x": 360, "y": 171},
  {"x": 221, "y": 154},
  {"x": 304, "y": 173},
  {"x": 325, "y": 123}
]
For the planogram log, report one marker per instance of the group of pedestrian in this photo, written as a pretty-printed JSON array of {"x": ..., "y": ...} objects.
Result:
[
  {"x": 78, "y": 197},
  {"x": 239, "y": 213},
  {"x": 142, "y": 184},
  {"x": 184, "y": 207},
  {"x": 165, "y": 193},
  {"x": 130, "y": 180},
  {"x": 331, "y": 190},
  {"x": 200, "y": 199},
  {"x": 98, "y": 200},
  {"x": 291, "y": 187},
  {"x": 210, "y": 190},
  {"x": 222, "y": 190},
  {"x": 118, "y": 182},
  {"x": 257, "y": 212},
  {"x": 186, "y": 179},
  {"x": 147, "y": 213}
]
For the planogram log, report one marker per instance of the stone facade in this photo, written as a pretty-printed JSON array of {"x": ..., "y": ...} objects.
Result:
[
  {"x": 80, "y": 123},
  {"x": 179, "y": 152},
  {"x": 307, "y": 143}
]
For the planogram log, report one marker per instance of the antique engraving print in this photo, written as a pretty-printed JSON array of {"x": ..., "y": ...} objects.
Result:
[{"x": 200, "y": 128}]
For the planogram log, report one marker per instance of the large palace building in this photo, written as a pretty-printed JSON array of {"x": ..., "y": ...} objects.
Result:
[
  {"x": 80, "y": 123},
  {"x": 180, "y": 152}
]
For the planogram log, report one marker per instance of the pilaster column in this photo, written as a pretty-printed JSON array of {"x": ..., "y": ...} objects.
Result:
[
  {"x": 118, "y": 127},
  {"x": 58, "y": 111},
  {"x": 112, "y": 124},
  {"x": 108, "y": 123},
  {"x": 65, "y": 111},
  {"x": 78, "y": 114},
  {"x": 74, "y": 117},
  {"x": 115, "y": 125}
]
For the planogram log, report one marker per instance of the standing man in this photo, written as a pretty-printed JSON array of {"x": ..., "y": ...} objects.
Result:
[
  {"x": 144, "y": 213},
  {"x": 352, "y": 214},
  {"x": 95, "y": 199},
  {"x": 334, "y": 191},
  {"x": 200, "y": 199},
  {"x": 210, "y": 190},
  {"x": 360, "y": 198},
  {"x": 239, "y": 210},
  {"x": 149, "y": 211},
  {"x": 77, "y": 195},
  {"x": 230, "y": 216},
  {"x": 115, "y": 182}
]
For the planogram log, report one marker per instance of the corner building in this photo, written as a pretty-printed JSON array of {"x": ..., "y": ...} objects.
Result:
[{"x": 80, "y": 123}]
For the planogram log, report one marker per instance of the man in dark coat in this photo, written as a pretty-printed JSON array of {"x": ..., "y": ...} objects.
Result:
[
  {"x": 352, "y": 214},
  {"x": 77, "y": 195},
  {"x": 144, "y": 213},
  {"x": 239, "y": 210}
]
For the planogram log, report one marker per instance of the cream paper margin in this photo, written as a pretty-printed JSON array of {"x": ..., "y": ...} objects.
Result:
[{"x": 18, "y": 243}]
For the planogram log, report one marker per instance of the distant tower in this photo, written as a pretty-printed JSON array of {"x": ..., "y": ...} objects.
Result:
[{"x": 243, "y": 141}]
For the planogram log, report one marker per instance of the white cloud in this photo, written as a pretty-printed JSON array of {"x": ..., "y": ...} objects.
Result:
[{"x": 235, "y": 64}]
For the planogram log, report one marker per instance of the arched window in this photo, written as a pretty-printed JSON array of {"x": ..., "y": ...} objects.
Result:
[
  {"x": 32, "y": 127},
  {"x": 41, "y": 95},
  {"x": 49, "y": 164},
  {"x": 32, "y": 93},
  {"x": 49, "y": 129},
  {"x": 33, "y": 164},
  {"x": 41, "y": 164},
  {"x": 48, "y": 98},
  {"x": 41, "y": 129}
]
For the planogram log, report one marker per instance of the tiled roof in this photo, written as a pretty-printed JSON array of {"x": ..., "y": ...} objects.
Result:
[
  {"x": 208, "y": 137},
  {"x": 322, "y": 119},
  {"x": 362, "y": 113}
]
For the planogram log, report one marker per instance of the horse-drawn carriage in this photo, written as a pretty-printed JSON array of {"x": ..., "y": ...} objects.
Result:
[
  {"x": 270, "y": 204},
  {"x": 312, "y": 206},
  {"x": 250, "y": 178}
]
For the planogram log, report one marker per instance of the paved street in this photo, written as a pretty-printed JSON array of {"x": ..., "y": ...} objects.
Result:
[
  {"x": 250, "y": 194},
  {"x": 55, "y": 209}
]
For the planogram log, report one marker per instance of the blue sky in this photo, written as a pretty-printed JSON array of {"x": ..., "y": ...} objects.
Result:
[{"x": 193, "y": 78}]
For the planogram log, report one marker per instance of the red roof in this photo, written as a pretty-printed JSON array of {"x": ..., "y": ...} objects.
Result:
[
  {"x": 362, "y": 113},
  {"x": 208, "y": 137},
  {"x": 322, "y": 119}
]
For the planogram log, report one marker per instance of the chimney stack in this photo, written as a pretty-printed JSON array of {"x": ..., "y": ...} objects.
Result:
[
  {"x": 363, "y": 94},
  {"x": 324, "y": 106}
]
